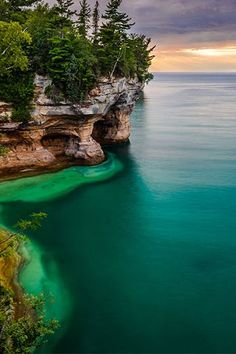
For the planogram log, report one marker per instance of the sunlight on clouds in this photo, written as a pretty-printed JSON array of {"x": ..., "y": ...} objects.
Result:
[
  {"x": 202, "y": 59},
  {"x": 211, "y": 52}
]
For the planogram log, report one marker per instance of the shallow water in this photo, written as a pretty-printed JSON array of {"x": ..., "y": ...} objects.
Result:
[{"x": 147, "y": 257}]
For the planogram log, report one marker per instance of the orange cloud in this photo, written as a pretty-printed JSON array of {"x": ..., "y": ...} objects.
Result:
[{"x": 195, "y": 59}]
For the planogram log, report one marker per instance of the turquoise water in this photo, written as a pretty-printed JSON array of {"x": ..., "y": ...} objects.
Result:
[{"x": 146, "y": 256}]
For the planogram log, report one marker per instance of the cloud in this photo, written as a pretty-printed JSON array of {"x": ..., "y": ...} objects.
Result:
[
  {"x": 180, "y": 17},
  {"x": 177, "y": 25}
]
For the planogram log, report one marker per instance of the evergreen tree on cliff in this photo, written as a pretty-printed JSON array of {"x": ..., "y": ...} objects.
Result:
[
  {"x": 64, "y": 14},
  {"x": 44, "y": 39},
  {"x": 113, "y": 37},
  {"x": 84, "y": 18},
  {"x": 63, "y": 8},
  {"x": 96, "y": 18},
  {"x": 116, "y": 22}
]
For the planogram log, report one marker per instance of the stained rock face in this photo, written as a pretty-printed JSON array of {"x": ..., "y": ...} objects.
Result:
[{"x": 63, "y": 134}]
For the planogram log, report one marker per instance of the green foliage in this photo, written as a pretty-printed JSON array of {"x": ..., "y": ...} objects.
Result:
[
  {"x": 27, "y": 333},
  {"x": 12, "y": 53},
  {"x": 64, "y": 13},
  {"x": 4, "y": 150},
  {"x": 116, "y": 21},
  {"x": 63, "y": 8},
  {"x": 15, "y": 10},
  {"x": 3, "y": 10},
  {"x": 17, "y": 5},
  {"x": 21, "y": 114},
  {"x": 42, "y": 25},
  {"x": 117, "y": 50},
  {"x": 84, "y": 18},
  {"x": 18, "y": 88},
  {"x": 137, "y": 57},
  {"x": 52, "y": 41},
  {"x": 96, "y": 18},
  {"x": 71, "y": 65},
  {"x": 11, "y": 241},
  {"x": 16, "y": 83},
  {"x": 33, "y": 223}
]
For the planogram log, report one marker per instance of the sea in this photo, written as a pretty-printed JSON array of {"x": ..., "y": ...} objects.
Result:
[{"x": 138, "y": 255}]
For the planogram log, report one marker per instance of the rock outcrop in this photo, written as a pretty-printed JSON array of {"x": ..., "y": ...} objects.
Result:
[{"x": 62, "y": 134}]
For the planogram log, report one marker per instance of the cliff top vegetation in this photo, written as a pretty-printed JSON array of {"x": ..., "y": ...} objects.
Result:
[{"x": 74, "y": 48}]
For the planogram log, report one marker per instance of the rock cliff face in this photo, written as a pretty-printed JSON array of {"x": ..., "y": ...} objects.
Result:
[{"x": 63, "y": 134}]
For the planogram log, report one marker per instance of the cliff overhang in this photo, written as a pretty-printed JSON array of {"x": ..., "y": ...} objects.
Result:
[{"x": 62, "y": 134}]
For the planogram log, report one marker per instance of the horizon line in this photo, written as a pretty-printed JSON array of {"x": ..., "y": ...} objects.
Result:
[{"x": 193, "y": 72}]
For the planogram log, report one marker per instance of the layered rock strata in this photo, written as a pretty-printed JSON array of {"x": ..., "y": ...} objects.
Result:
[{"x": 63, "y": 134}]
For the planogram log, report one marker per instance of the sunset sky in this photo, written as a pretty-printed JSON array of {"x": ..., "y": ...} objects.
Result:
[{"x": 192, "y": 35}]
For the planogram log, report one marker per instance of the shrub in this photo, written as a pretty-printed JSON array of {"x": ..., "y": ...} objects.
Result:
[{"x": 18, "y": 89}]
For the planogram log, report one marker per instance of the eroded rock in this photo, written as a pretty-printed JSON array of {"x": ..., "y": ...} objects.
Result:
[{"x": 63, "y": 134}]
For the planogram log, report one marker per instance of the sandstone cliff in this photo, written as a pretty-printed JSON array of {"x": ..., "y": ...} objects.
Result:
[{"x": 63, "y": 134}]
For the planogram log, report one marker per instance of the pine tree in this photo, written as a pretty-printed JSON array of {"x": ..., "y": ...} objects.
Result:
[
  {"x": 96, "y": 18},
  {"x": 16, "y": 10},
  {"x": 113, "y": 37},
  {"x": 116, "y": 21},
  {"x": 17, "y": 5},
  {"x": 84, "y": 18},
  {"x": 63, "y": 8}
]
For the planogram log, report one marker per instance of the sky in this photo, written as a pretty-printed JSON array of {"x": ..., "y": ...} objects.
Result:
[{"x": 191, "y": 35}]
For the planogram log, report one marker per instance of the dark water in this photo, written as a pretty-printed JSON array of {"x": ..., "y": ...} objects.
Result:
[{"x": 147, "y": 258}]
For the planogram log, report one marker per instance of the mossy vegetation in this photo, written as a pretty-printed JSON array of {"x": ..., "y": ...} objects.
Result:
[{"x": 73, "y": 48}]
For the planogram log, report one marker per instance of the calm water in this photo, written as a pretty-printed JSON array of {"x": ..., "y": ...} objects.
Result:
[{"x": 143, "y": 260}]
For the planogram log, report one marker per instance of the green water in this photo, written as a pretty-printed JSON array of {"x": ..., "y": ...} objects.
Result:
[
  {"x": 51, "y": 186},
  {"x": 143, "y": 260}
]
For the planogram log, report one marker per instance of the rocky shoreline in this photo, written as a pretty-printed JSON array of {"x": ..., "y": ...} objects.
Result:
[
  {"x": 10, "y": 267},
  {"x": 63, "y": 134}
]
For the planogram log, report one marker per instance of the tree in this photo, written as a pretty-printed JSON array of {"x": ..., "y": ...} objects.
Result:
[
  {"x": 62, "y": 49},
  {"x": 12, "y": 42},
  {"x": 28, "y": 332},
  {"x": 3, "y": 10},
  {"x": 71, "y": 65},
  {"x": 17, "y": 10},
  {"x": 116, "y": 21},
  {"x": 84, "y": 18},
  {"x": 64, "y": 14},
  {"x": 18, "y": 5},
  {"x": 96, "y": 18},
  {"x": 113, "y": 37},
  {"x": 42, "y": 24},
  {"x": 33, "y": 223},
  {"x": 142, "y": 52},
  {"x": 63, "y": 8},
  {"x": 17, "y": 88},
  {"x": 12, "y": 239}
]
